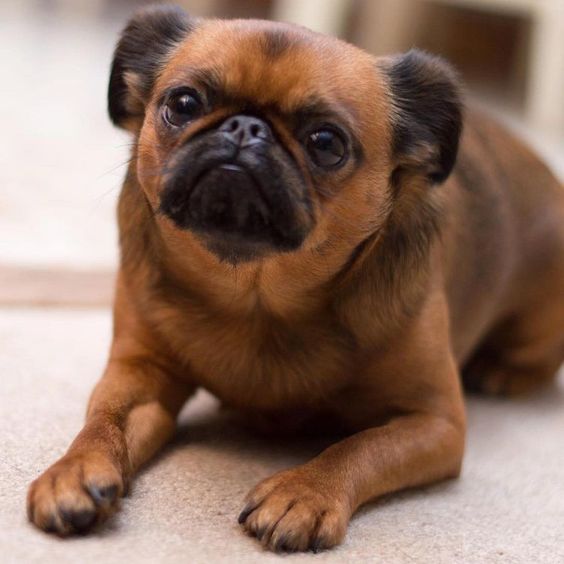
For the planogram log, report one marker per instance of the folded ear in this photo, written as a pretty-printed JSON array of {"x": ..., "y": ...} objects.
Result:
[
  {"x": 427, "y": 117},
  {"x": 145, "y": 43}
]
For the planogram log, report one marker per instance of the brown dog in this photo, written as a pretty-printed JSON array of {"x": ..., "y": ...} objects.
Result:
[{"x": 291, "y": 243}]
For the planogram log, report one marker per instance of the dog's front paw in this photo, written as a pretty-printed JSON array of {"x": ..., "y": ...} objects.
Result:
[
  {"x": 296, "y": 510},
  {"x": 75, "y": 494}
]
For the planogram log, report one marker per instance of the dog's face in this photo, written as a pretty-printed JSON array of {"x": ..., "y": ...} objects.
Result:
[{"x": 263, "y": 138}]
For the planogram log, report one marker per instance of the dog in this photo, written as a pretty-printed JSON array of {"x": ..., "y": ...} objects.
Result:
[{"x": 302, "y": 235}]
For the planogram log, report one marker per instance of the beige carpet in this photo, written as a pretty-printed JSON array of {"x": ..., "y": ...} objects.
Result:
[{"x": 508, "y": 507}]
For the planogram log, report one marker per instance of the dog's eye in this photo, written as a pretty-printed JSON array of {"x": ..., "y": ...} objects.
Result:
[
  {"x": 181, "y": 108},
  {"x": 326, "y": 147}
]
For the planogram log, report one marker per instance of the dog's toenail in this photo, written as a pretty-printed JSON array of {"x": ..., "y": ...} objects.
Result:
[
  {"x": 245, "y": 513},
  {"x": 316, "y": 546},
  {"x": 260, "y": 533},
  {"x": 79, "y": 520},
  {"x": 50, "y": 526},
  {"x": 282, "y": 545},
  {"x": 105, "y": 495}
]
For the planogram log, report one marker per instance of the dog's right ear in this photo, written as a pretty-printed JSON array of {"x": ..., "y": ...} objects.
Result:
[{"x": 145, "y": 43}]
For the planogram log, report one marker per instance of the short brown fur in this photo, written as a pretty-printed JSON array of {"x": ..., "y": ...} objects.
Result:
[{"x": 397, "y": 288}]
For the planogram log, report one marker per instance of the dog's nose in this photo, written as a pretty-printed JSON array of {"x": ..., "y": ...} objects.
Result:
[{"x": 246, "y": 130}]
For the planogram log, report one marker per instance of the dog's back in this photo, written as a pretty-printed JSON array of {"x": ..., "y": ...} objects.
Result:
[{"x": 506, "y": 254}]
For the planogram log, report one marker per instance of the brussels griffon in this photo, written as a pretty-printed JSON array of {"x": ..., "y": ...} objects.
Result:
[{"x": 299, "y": 238}]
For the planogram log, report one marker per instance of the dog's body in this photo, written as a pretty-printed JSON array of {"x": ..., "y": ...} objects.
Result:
[{"x": 358, "y": 304}]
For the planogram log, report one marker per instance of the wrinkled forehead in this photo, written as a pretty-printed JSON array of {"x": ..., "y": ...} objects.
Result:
[{"x": 276, "y": 65}]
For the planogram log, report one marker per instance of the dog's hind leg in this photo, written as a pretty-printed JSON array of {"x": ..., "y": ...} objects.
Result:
[{"x": 521, "y": 355}]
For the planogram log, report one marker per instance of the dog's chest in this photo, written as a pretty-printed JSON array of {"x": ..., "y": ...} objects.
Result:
[{"x": 257, "y": 361}]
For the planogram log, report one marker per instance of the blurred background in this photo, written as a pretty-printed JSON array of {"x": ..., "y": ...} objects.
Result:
[{"x": 61, "y": 162}]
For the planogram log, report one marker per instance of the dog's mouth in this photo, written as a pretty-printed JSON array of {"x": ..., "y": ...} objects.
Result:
[
  {"x": 227, "y": 199},
  {"x": 240, "y": 207}
]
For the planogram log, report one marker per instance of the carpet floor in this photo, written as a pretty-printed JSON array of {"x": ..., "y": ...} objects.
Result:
[{"x": 507, "y": 507}]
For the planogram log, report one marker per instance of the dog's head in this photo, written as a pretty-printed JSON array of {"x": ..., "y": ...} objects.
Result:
[{"x": 263, "y": 138}]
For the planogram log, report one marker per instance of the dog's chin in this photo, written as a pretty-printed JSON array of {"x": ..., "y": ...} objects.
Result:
[
  {"x": 237, "y": 250},
  {"x": 228, "y": 211}
]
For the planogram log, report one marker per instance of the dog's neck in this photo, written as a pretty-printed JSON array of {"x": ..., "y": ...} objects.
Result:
[
  {"x": 295, "y": 285},
  {"x": 155, "y": 253},
  {"x": 285, "y": 285}
]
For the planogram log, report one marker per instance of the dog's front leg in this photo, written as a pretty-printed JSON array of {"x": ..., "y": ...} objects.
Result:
[
  {"x": 415, "y": 385},
  {"x": 132, "y": 412}
]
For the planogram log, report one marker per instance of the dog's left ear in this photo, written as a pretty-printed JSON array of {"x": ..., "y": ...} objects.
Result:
[
  {"x": 427, "y": 114},
  {"x": 149, "y": 37}
]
